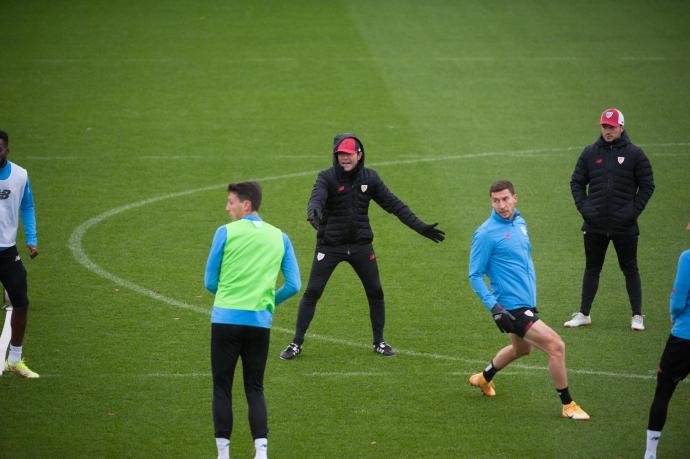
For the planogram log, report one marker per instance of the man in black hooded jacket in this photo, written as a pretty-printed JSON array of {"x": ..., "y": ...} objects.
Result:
[
  {"x": 339, "y": 210},
  {"x": 611, "y": 185}
]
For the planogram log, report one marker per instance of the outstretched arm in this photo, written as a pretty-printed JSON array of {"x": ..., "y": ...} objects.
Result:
[
  {"x": 317, "y": 201},
  {"x": 391, "y": 204}
]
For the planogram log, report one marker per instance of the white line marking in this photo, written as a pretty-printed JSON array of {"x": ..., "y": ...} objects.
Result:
[
  {"x": 413, "y": 157},
  {"x": 641, "y": 58},
  {"x": 52, "y": 158},
  {"x": 346, "y": 374},
  {"x": 78, "y": 252},
  {"x": 466, "y": 59},
  {"x": 167, "y": 157}
]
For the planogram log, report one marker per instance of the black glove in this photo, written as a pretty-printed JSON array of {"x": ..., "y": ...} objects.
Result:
[
  {"x": 315, "y": 218},
  {"x": 432, "y": 233},
  {"x": 503, "y": 318}
]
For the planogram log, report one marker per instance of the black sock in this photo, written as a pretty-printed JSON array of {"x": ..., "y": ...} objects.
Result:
[
  {"x": 490, "y": 371},
  {"x": 565, "y": 395}
]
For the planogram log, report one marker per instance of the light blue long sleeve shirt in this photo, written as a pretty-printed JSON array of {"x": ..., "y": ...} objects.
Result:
[
  {"x": 680, "y": 298},
  {"x": 501, "y": 250},
  {"x": 263, "y": 319},
  {"x": 26, "y": 208}
]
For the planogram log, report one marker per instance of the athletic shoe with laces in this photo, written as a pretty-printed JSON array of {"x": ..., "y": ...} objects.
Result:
[
  {"x": 487, "y": 387},
  {"x": 21, "y": 369},
  {"x": 637, "y": 322},
  {"x": 291, "y": 351},
  {"x": 578, "y": 320},
  {"x": 384, "y": 349},
  {"x": 573, "y": 411}
]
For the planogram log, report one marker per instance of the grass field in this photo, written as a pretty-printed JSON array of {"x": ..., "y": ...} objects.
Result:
[{"x": 132, "y": 117}]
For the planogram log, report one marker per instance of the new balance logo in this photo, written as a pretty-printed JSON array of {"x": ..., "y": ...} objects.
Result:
[{"x": 4, "y": 194}]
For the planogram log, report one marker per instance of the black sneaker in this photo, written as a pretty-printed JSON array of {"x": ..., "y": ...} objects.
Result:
[
  {"x": 384, "y": 349},
  {"x": 291, "y": 351}
]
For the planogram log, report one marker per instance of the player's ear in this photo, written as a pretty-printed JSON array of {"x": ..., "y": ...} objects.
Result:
[{"x": 246, "y": 206}]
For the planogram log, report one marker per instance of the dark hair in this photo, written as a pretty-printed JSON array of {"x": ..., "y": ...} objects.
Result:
[
  {"x": 5, "y": 137},
  {"x": 247, "y": 191},
  {"x": 500, "y": 185}
]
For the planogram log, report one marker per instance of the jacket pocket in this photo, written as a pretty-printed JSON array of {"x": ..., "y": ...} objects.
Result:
[
  {"x": 625, "y": 215},
  {"x": 589, "y": 213}
]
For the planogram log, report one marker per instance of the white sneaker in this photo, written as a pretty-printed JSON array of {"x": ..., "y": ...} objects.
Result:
[
  {"x": 637, "y": 323},
  {"x": 578, "y": 320}
]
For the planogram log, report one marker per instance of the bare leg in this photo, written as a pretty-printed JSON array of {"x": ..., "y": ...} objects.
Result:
[
  {"x": 518, "y": 348},
  {"x": 544, "y": 338}
]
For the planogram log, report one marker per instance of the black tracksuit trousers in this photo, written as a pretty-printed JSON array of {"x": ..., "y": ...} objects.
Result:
[
  {"x": 363, "y": 260},
  {"x": 595, "y": 252},
  {"x": 228, "y": 344}
]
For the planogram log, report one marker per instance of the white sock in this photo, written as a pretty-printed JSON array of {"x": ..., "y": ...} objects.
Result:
[
  {"x": 223, "y": 445},
  {"x": 15, "y": 354},
  {"x": 261, "y": 445},
  {"x": 652, "y": 441}
]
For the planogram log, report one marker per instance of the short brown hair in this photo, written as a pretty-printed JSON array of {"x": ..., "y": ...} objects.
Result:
[
  {"x": 500, "y": 185},
  {"x": 247, "y": 191}
]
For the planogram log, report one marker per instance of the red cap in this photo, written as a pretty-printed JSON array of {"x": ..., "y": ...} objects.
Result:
[
  {"x": 612, "y": 117},
  {"x": 348, "y": 146}
]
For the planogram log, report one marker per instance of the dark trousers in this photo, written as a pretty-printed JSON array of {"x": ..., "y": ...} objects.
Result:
[
  {"x": 673, "y": 368},
  {"x": 595, "y": 252},
  {"x": 228, "y": 343},
  {"x": 13, "y": 277},
  {"x": 363, "y": 261}
]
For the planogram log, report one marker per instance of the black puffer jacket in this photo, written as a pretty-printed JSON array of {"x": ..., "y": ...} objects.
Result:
[
  {"x": 611, "y": 185},
  {"x": 343, "y": 200}
]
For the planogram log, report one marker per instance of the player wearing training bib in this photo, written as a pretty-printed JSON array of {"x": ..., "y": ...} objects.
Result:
[
  {"x": 16, "y": 200},
  {"x": 242, "y": 268}
]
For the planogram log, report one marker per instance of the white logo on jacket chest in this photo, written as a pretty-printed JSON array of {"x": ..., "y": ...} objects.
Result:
[
  {"x": 364, "y": 188},
  {"x": 621, "y": 159},
  {"x": 320, "y": 256}
]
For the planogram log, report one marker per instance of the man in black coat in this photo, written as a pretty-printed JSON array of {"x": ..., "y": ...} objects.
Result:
[
  {"x": 339, "y": 211},
  {"x": 611, "y": 185}
]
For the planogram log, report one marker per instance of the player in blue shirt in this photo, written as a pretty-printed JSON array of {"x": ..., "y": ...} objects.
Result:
[
  {"x": 675, "y": 360},
  {"x": 501, "y": 250}
]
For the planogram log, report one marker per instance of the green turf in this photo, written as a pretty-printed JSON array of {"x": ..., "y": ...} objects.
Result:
[{"x": 111, "y": 104}]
